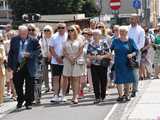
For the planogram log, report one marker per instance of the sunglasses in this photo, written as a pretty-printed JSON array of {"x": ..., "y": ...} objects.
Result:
[
  {"x": 31, "y": 30},
  {"x": 87, "y": 34},
  {"x": 71, "y": 30},
  {"x": 61, "y": 27},
  {"x": 47, "y": 30},
  {"x": 99, "y": 27},
  {"x": 84, "y": 33}
]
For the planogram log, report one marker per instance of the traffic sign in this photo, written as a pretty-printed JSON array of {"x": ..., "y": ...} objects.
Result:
[
  {"x": 115, "y": 12},
  {"x": 115, "y": 4},
  {"x": 136, "y": 4}
]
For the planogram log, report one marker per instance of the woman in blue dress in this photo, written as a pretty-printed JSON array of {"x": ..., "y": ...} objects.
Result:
[{"x": 124, "y": 74}]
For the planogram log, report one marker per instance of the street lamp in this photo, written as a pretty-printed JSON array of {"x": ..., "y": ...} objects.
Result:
[{"x": 31, "y": 17}]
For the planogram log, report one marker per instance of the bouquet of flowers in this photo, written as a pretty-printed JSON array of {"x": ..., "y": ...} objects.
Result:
[
  {"x": 24, "y": 61},
  {"x": 21, "y": 65}
]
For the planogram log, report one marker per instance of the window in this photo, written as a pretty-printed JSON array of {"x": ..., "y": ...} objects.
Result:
[{"x": 1, "y": 4}]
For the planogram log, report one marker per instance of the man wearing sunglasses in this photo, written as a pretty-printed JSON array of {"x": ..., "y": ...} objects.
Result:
[{"x": 56, "y": 48}]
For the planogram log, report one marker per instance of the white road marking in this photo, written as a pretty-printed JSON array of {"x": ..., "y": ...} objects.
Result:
[{"x": 110, "y": 113}]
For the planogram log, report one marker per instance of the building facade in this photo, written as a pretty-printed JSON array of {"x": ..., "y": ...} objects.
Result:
[
  {"x": 5, "y": 12},
  {"x": 149, "y": 12}
]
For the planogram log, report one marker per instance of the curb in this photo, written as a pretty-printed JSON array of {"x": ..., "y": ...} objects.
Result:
[
  {"x": 131, "y": 106},
  {"x": 11, "y": 107}
]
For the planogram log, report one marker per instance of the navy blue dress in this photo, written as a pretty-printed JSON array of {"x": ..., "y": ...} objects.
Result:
[{"x": 124, "y": 74}]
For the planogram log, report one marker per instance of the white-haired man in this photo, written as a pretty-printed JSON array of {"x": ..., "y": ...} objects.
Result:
[{"x": 21, "y": 60}]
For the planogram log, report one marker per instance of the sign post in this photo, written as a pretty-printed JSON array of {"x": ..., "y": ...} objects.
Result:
[
  {"x": 136, "y": 4},
  {"x": 115, "y": 6}
]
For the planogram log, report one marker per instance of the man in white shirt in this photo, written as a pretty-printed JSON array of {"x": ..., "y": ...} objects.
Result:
[
  {"x": 136, "y": 32},
  {"x": 56, "y": 48}
]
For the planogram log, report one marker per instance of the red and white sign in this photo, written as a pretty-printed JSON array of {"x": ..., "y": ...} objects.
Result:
[{"x": 115, "y": 4}]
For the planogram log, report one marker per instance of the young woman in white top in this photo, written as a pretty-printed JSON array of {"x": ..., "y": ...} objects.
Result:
[{"x": 73, "y": 66}]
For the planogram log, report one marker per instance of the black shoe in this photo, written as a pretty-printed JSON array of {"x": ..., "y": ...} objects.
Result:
[
  {"x": 102, "y": 99},
  {"x": 126, "y": 98},
  {"x": 75, "y": 102},
  {"x": 96, "y": 101},
  {"x": 46, "y": 91},
  {"x": 120, "y": 99},
  {"x": 28, "y": 107},
  {"x": 133, "y": 94},
  {"x": 19, "y": 105}
]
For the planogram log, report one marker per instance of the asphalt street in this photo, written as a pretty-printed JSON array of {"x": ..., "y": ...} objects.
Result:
[{"x": 85, "y": 110}]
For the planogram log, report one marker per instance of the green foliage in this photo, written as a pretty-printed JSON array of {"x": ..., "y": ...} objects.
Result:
[
  {"x": 53, "y": 7},
  {"x": 89, "y": 8}
]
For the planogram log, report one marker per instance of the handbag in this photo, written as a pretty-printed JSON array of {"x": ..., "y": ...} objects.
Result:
[
  {"x": 105, "y": 62},
  {"x": 81, "y": 61},
  {"x": 132, "y": 62}
]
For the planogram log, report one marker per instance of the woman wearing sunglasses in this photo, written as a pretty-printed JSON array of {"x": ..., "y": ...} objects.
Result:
[
  {"x": 73, "y": 67},
  {"x": 32, "y": 31},
  {"x": 44, "y": 42}
]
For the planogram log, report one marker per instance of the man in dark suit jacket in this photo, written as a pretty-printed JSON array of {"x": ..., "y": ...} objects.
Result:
[{"x": 21, "y": 60}]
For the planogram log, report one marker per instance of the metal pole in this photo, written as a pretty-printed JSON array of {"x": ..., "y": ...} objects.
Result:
[
  {"x": 100, "y": 11},
  {"x": 147, "y": 13}
]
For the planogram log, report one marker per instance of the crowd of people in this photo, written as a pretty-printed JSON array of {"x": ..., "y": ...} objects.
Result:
[{"x": 97, "y": 57}]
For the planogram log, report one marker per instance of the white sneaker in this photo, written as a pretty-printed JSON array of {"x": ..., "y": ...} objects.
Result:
[
  {"x": 55, "y": 99},
  {"x": 62, "y": 99},
  {"x": 60, "y": 94}
]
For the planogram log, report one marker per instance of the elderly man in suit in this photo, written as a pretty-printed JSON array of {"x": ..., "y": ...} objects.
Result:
[{"x": 21, "y": 60}]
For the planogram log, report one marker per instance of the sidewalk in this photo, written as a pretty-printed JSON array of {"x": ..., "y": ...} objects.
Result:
[
  {"x": 148, "y": 107},
  {"x": 8, "y": 106}
]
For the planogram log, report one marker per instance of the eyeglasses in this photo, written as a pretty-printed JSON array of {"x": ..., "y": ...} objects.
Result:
[
  {"x": 72, "y": 30},
  {"x": 31, "y": 30},
  {"x": 61, "y": 27},
  {"x": 46, "y": 30}
]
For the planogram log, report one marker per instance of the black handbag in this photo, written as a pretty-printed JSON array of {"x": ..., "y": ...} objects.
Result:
[
  {"x": 105, "y": 62},
  {"x": 132, "y": 62}
]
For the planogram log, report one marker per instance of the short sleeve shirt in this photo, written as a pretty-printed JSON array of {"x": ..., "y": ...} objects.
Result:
[
  {"x": 57, "y": 42},
  {"x": 98, "y": 49}
]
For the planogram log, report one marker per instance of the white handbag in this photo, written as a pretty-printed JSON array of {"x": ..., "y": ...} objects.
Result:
[{"x": 81, "y": 61}]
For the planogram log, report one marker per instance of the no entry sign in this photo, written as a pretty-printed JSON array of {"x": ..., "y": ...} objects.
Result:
[{"x": 115, "y": 4}]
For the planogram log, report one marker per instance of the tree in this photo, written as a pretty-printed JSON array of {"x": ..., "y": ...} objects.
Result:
[
  {"x": 52, "y": 7},
  {"x": 24, "y": 6},
  {"x": 89, "y": 8}
]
